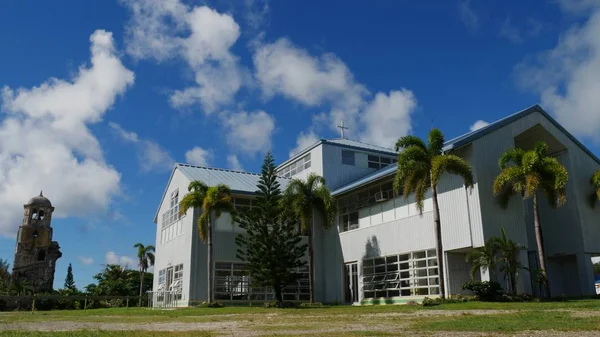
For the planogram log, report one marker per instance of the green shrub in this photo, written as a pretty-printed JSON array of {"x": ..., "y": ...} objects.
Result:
[
  {"x": 484, "y": 291},
  {"x": 281, "y": 305},
  {"x": 311, "y": 305},
  {"x": 430, "y": 302},
  {"x": 211, "y": 305}
]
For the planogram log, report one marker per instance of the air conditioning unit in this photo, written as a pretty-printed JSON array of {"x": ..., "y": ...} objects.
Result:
[{"x": 380, "y": 196}]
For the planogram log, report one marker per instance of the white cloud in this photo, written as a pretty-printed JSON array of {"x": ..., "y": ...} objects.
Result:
[
  {"x": 201, "y": 36},
  {"x": 468, "y": 15},
  {"x": 122, "y": 260},
  {"x": 567, "y": 78},
  {"x": 316, "y": 81},
  {"x": 151, "y": 156},
  {"x": 517, "y": 35},
  {"x": 578, "y": 6},
  {"x": 282, "y": 68},
  {"x": 45, "y": 141},
  {"x": 249, "y": 132},
  {"x": 85, "y": 260},
  {"x": 478, "y": 125},
  {"x": 234, "y": 163},
  {"x": 304, "y": 140},
  {"x": 198, "y": 156},
  {"x": 388, "y": 117},
  {"x": 510, "y": 32}
]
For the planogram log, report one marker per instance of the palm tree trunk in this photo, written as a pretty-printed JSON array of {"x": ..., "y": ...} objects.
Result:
[
  {"x": 439, "y": 251},
  {"x": 141, "y": 286},
  {"x": 210, "y": 260},
  {"x": 540, "y": 245},
  {"x": 311, "y": 266}
]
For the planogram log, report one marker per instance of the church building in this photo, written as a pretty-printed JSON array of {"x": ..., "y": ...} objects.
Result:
[{"x": 381, "y": 250}]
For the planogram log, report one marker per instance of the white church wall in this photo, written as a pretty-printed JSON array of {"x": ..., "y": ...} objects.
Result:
[{"x": 175, "y": 250}]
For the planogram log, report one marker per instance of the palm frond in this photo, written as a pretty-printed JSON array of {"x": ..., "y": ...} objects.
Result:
[
  {"x": 203, "y": 221},
  {"x": 408, "y": 141},
  {"x": 436, "y": 142},
  {"x": 507, "y": 177},
  {"x": 451, "y": 164},
  {"x": 511, "y": 156}
]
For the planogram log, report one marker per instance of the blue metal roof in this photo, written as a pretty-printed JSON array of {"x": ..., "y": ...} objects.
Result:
[
  {"x": 466, "y": 139},
  {"x": 359, "y": 145},
  {"x": 238, "y": 181}
]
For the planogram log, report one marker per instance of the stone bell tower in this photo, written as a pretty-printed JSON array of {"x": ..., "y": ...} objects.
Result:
[{"x": 36, "y": 253}]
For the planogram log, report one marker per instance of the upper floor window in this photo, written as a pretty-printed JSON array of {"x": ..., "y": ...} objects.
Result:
[
  {"x": 348, "y": 157},
  {"x": 376, "y": 162},
  {"x": 172, "y": 214},
  {"x": 296, "y": 167}
]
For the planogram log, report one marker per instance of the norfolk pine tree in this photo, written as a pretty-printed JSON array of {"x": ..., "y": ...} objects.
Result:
[{"x": 271, "y": 244}]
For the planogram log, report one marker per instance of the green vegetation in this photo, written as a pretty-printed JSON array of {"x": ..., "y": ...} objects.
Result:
[
  {"x": 69, "y": 280},
  {"x": 271, "y": 243},
  {"x": 498, "y": 251},
  {"x": 527, "y": 173},
  {"x": 420, "y": 168},
  {"x": 490, "y": 318},
  {"x": 145, "y": 256},
  {"x": 212, "y": 201},
  {"x": 301, "y": 199}
]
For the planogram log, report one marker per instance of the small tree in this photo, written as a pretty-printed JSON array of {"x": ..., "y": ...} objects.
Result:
[
  {"x": 271, "y": 242},
  {"x": 212, "y": 201},
  {"x": 300, "y": 199},
  {"x": 69, "y": 281},
  {"x": 145, "y": 256},
  {"x": 528, "y": 173},
  {"x": 502, "y": 252},
  {"x": 420, "y": 168},
  {"x": 4, "y": 275}
]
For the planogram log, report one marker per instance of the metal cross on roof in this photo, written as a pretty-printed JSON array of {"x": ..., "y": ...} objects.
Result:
[{"x": 342, "y": 128}]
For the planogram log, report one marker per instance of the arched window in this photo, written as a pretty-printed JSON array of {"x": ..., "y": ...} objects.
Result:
[
  {"x": 35, "y": 234},
  {"x": 35, "y": 215},
  {"x": 41, "y": 215}
]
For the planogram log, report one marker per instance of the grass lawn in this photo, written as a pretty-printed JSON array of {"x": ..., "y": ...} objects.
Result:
[{"x": 572, "y": 317}]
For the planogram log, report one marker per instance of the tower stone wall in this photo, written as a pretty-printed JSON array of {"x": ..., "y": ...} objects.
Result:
[{"x": 36, "y": 253}]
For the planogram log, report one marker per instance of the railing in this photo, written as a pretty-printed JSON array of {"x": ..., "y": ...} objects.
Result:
[{"x": 164, "y": 299}]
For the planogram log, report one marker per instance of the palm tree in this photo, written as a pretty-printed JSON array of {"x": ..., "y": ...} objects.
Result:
[
  {"x": 420, "y": 167},
  {"x": 509, "y": 252},
  {"x": 482, "y": 258},
  {"x": 145, "y": 260},
  {"x": 302, "y": 198},
  {"x": 595, "y": 182},
  {"x": 526, "y": 173},
  {"x": 213, "y": 201}
]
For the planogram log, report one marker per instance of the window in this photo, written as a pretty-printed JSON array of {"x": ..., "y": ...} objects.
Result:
[
  {"x": 232, "y": 283},
  {"x": 295, "y": 167},
  {"x": 177, "y": 284},
  {"x": 348, "y": 157},
  {"x": 407, "y": 274},
  {"x": 171, "y": 280},
  {"x": 376, "y": 162},
  {"x": 171, "y": 217}
]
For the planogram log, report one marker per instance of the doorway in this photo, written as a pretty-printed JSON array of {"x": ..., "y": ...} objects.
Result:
[{"x": 351, "y": 294}]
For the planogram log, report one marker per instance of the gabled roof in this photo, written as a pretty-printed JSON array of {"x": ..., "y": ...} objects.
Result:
[
  {"x": 240, "y": 182},
  {"x": 345, "y": 143},
  {"x": 467, "y": 139}
]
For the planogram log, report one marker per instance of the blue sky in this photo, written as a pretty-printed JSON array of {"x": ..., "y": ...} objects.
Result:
[{"x": 100, "y": 98}]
